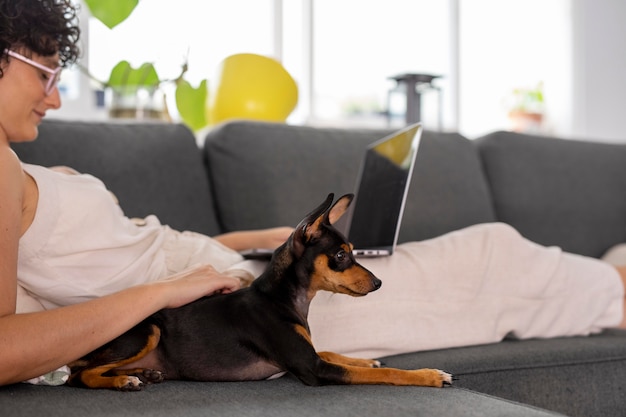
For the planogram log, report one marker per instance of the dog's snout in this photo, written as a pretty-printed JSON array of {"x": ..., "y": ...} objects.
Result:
[{"x": 376, "y": 283}]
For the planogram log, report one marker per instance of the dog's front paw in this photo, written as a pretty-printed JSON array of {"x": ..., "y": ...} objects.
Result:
[
  {"x": 429, "y": 378},
  {"x": 446, "y": 378},
  {"x": 376, "y": 364},
  {"x": 440, "y": 378}
]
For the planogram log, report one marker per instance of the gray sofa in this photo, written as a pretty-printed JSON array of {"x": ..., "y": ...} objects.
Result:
[{"x": 252, "y": 175}]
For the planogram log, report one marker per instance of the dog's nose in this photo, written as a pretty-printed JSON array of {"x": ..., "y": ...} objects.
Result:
[{"x": 376, "y": 283}]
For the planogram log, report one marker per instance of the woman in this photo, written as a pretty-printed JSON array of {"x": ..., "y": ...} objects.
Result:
[
  {"x": 37, "y": 37},
  {"x": 84, "y": 278}
]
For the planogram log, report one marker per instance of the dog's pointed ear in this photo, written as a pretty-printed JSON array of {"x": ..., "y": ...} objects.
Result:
[
  {"x": 310, "y": 224},
  {"x": 339, "y": 208}
]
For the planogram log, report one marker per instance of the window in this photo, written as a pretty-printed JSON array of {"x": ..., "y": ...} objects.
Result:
[
  {"x": 342, "y": 53},
  {"x": 343, "y": 79},
  {"x": 508, "y": 45},
  {"x": 165, "y": 33},
  {"x": 359, "y": 45}
]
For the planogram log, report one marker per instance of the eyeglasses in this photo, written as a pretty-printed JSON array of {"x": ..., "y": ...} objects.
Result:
[{"x": 52, "y": 80}]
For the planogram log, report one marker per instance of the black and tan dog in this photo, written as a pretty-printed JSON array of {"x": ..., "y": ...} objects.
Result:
[{"x": 255, "y": 332}]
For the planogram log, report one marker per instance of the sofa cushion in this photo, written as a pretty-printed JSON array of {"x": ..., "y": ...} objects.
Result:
[
  {"x": 173, "y": 185},
  {"x": 576, "y": 376},
  {"x": 559, "y": 192},
  {"x": 280, "y": 397},
  {"x": 449, "y": 189},
  {"x": 269, "y": 174}
]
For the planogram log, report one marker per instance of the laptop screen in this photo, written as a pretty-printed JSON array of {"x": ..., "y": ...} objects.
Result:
[{"x": 381, "y": 190}]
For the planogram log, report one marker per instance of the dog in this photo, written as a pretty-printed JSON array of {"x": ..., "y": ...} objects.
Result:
[{"x": 256, "y": 332}]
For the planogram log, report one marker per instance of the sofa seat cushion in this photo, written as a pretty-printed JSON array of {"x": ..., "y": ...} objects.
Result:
[
  {"x": 152, "y": 168},
  {"x": 576, "y": 376},
  {"x": 281, "y": 397},
  {"x": 559, "y": 192},
  {"x": 270, "y": 174}
]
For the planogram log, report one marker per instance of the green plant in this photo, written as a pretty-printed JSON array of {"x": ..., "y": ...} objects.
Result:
[
  {"x": 190, "y": 101},
  {"x": 111, "y": 12},
  {"x": 528, "y": 100}
]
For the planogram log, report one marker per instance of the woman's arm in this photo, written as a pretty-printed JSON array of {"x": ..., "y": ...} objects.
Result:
[
  {"x": 251, "y": 239},
  {"x": 35, "y": 343}
]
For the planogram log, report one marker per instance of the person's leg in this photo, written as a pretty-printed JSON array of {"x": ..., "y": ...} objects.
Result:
[
  {"x": 616, "y": 256},
  {"x": 622, "y": 274},
  {"x": 477, "y": 285}
]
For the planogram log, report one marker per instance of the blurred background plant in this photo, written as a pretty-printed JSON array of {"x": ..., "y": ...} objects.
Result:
[
  {"x": 528, "y": 100},
  {"x": 527, "y": 108},
  {"x": 138, "y": 92}
]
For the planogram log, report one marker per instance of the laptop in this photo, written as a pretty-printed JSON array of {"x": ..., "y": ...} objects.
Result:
[
  {"x": 372, "y": 223},
  {"x": 373, "y": 220}
]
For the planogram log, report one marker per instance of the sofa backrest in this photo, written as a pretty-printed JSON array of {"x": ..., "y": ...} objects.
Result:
[
  {"x": 567, "y": 193},
  {"x": 269, "y": 174},
  {"x": 153, "y": 168}
]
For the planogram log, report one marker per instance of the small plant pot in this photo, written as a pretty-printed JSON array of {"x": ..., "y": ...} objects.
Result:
[
  {"x": 525, "y": 121},
  {"x": 139, "y": 103}
]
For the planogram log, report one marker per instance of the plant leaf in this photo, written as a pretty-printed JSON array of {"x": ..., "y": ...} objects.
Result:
[
  {"x": 123, "y": 75},
  {"x": 191, "y": 104},
  {"x": 111, "y": 12}
]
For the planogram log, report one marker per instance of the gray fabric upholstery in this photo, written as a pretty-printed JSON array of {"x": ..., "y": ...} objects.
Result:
[
  {"x": 275, "y": 173},
  {"x": 448, "y": 190},
  {"x": 558, "y": 192},
  {"x": 283, "y": 397},
  {"x": 577, "y": 376},
  {"x": 153, "y": 168}
]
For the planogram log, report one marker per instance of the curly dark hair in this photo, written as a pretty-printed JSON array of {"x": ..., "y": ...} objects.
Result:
[{"x": 44, "y": 27}]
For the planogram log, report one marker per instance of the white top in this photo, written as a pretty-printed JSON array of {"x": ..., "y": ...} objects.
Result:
[{"x": 80, "y": 245}]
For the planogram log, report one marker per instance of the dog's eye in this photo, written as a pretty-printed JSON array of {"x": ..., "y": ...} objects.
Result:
[{"x": 340, "y": 256}]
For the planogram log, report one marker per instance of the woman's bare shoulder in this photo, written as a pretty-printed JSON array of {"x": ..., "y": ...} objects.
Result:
[
  {"x": 10, "y": 166},
  {"x": 12, "y": 197}
]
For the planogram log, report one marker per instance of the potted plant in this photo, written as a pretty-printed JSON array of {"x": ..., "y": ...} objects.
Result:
[
  {"x": 527, "y": 108},
  {"x": 136, "y": 92}
]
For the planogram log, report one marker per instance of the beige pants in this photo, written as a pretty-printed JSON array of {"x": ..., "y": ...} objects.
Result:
[{"x": 473, "y": 286}]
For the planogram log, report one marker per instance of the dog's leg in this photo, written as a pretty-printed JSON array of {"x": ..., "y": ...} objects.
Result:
[
  {"x": 327, "y": 368},
  {"x": 317, "y": 371},
  {"x": 345, "y": 360},
  {"x": 147, "y": 376},
  {"x": 392, "y": 376},
  {"x": 363, "y": 371},
  {"x": 124, "y": 380}
]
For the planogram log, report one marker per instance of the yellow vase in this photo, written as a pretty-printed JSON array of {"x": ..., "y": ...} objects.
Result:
[{"x": 250, "y": 86}]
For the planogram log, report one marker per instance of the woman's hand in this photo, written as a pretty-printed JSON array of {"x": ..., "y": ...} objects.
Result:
[
  {"x": 250, "y": 239},
  {"x": 194, "y": 283}
]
